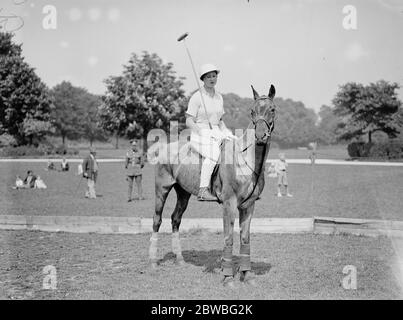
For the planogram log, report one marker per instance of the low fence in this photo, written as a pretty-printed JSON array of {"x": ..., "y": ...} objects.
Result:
[{"x": 129, "y": 225}]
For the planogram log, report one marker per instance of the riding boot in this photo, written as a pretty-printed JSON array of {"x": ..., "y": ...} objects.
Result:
[{"x": 205, "y": 195}]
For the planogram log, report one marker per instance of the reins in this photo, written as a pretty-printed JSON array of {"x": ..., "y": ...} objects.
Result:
[{"x": 257, "y": 175}]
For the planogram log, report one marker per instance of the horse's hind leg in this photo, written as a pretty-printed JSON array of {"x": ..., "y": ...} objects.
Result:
[
  {"x": 163, "y": 185},
  {"x": 176, "y": 218},
  {"x": 245, "y": 218}
]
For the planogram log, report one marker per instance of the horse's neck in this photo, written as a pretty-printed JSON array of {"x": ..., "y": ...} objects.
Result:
[{"x": 250, "y": 158}]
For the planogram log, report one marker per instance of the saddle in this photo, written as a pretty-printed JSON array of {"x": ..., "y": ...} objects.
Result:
[{"x": 188, "y": 152}]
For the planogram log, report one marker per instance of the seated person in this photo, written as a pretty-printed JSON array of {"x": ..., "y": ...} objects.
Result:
[
  {"x": 50, "y": 166},
  {"x": 29, "y": 181},
  {"x": 39, "y": 184},
  {"x": 65, "y": 165},
  {"x": 18, "y": 183}
]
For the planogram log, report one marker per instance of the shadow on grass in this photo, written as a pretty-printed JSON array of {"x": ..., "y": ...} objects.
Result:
[{"x": 211, "y": 261}]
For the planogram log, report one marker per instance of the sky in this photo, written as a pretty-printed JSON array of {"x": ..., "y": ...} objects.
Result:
[{"x": 301, "y": 47}]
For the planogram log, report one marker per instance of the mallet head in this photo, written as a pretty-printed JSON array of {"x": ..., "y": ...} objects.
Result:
[{"x": 183, "y": 36}]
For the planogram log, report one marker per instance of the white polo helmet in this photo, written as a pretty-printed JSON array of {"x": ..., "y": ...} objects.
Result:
[{"x": 206, "y": 68}]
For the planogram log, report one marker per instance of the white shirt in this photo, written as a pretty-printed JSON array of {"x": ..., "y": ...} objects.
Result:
[
  {"x": 280, "y": 165},
  {"x": 214, "y": 105}
]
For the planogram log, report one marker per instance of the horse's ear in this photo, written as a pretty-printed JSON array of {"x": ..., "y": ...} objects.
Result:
[
  {"x": 272, "y": 92},
  {"x": 255, "y": 94}
]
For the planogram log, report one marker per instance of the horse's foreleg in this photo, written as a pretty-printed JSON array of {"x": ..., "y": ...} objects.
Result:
[
  {"x": 245, "y": 218},
  {"x": 161, "y": 194},
  {"x": 176, "y": 218},
  {"x": 229, "y": 207}
]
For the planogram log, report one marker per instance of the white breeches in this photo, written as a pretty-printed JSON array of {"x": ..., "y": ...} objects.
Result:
[
  {"x": 210, "y": 149},
  {"x": 205, "y": 145}
]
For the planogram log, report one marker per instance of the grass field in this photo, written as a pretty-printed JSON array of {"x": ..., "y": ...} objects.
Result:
[
  {"x": 323, "y": 190},
  {"x": 93, "y": 266},
  {"x": 304, "y": 266}
]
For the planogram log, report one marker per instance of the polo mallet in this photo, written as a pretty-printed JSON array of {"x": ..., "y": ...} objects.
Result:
[{"x": 183, "y": 37}]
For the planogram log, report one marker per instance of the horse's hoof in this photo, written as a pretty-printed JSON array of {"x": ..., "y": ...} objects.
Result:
[
  {"x": 229, "y": 282},
  {"x": 248, "y": 278}
]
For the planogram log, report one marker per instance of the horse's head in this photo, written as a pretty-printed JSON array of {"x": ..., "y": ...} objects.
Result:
[{"x": 262, "y": 114}]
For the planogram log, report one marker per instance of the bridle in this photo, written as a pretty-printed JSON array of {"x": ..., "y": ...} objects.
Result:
[
  {"x": 269, "y": 126},
  {"x": 267, "y": 134}
]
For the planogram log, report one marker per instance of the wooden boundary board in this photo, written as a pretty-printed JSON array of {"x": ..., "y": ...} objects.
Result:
[{"x": 134, "y": 225}]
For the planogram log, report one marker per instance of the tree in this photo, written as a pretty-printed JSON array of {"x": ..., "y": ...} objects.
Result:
[
  {"x": 36, "y": 129},
  {"x": 328, "y": 125},
  {"x": 295, "y": 124},
  {"x": 76, "y": 112},
  {"x": 147, "y": 95},
  {"x": 25, "y": 103},
  {"x": 367, "y": 109},
  {"x": 91, "y": 121},
  {"x": 112, "y": 112},
  {"x": 67, "y": 114},
  {"x": 237, "y": 111}
]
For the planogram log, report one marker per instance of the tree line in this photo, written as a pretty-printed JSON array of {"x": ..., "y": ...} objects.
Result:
[{"x": 149, "y": 94}]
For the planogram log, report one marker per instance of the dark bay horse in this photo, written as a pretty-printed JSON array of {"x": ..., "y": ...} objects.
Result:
[{"x": 237, "y": 184}]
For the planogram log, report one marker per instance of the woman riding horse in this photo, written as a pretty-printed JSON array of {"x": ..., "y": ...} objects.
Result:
[
  {"x": 237, "y": 185},
  {"x": 208, "y": 128}
]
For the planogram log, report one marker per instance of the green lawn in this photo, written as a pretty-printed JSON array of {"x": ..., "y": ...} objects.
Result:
[
  {"x": 338, "y": 191},
  {"x": 305, "y": 266},
  {"x": 93, "y": 266}
]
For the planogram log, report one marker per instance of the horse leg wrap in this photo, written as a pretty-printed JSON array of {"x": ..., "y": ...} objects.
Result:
[
  {"x": 153, "y": 247},
  {"x": 176, "y": 246},
  {"x": 245, "y": 264},
  {"x": 226, "y": 263}
]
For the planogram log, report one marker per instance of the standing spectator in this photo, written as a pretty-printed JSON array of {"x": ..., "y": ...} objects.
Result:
[
  {"x": 90, "y": 171},
  {"x": 134, "y": 164},
  {"x": 281, "y": 170},
  {"x": 312, "y": 155}
]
